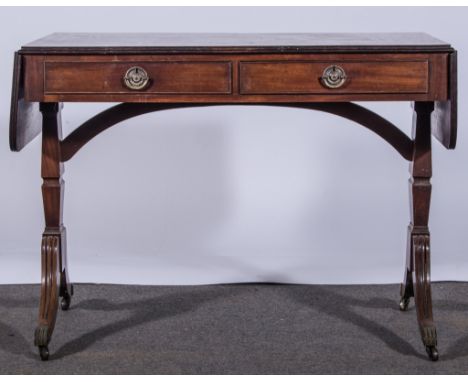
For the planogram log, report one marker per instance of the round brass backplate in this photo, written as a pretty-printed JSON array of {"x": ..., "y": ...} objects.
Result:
[
  {"x": 136, "y": 78},
  {"x": 333, "y": 77}
]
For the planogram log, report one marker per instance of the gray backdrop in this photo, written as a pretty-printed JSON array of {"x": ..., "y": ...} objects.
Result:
[{"x": 232, "y": 194}]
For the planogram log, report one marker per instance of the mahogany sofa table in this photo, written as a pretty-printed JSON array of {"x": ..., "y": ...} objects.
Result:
[{"x": 152, "y": 72}]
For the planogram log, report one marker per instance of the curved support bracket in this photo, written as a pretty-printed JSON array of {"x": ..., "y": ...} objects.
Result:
[{"x": 121, "y": 112}]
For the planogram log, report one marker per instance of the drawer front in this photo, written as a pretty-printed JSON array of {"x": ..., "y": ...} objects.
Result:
[
  {"x": 163, "y": 77},
  {"x": 307, "y": 77}
]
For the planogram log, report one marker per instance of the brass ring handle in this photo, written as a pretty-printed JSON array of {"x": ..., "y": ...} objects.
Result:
[
  {"x": 333, "y": 77},
  {"x": 136, "y": 78}
]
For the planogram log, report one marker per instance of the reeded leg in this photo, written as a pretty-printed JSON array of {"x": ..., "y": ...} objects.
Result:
[
  {"x": 423, "y": 297},
  {"x": 417, "y": 274},
  {"x": 54, "y": 280}
]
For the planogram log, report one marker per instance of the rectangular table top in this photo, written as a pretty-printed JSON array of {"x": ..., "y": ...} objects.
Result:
[
  {"x": 110, "y": 43},
  {"x": 235, "y": 68}
]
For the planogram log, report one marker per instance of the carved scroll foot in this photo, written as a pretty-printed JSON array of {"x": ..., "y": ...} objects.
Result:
[
  {"x": 423, "y": 296},
  {"x": 50, "y": 254}
]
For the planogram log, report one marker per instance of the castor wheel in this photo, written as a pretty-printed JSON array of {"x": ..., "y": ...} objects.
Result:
[
  {"x": 432, "y": 352},
  {"x": 404, "y": 303},
  {"x": 44, "y": 352},
  {"x": 66, "y": 299},
  {"x": 65, "y": 302}
]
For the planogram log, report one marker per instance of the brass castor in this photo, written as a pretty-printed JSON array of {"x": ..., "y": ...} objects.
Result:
[
  {"x": 66, "y": 299},
  {"x": 432, "y": 352},
  {"x": 404, "y": 303},
  {"x": 44, "y": 352},
  {"x": 65, "y": 302}
]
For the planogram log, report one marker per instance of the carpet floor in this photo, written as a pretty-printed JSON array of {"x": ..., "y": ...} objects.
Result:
[{"x": 234, "y": 329}]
